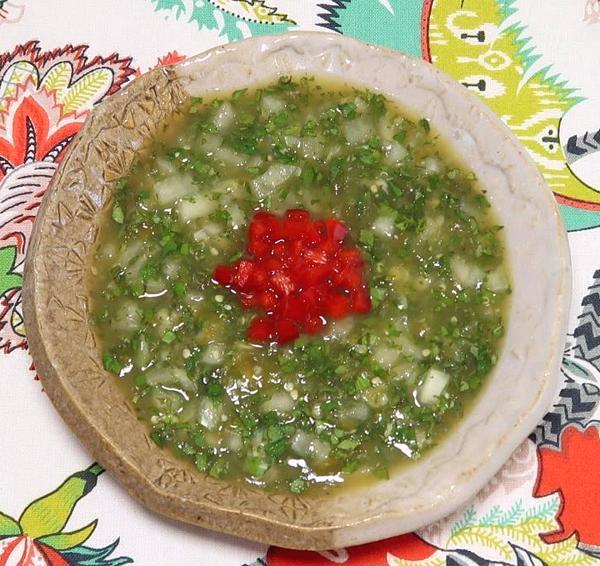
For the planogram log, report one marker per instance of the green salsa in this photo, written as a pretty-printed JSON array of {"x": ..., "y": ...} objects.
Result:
[{"x": 370, "y": 391}]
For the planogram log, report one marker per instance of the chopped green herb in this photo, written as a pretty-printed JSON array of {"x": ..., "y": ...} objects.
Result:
[
  {"x": 255, "y": 466},
  {"x": 169, "y": 336},
  {"x": 367, "y": 238},
  {"x": 110, "y": 363},
  {"x": 298, "y": 486}
]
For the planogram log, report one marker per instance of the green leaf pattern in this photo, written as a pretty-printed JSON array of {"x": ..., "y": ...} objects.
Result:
[
  {"x": 221, "y": 15},
  {"x": 8, "y": 278},
  {"x": 8, "y": 526},
  {"x": 45, "y": 518},
  {"x": 58, "y": 77},
  {"x": 89, "y": 88},
  {"x": 16, "y": 75},
  {"x": 492, "y": 532},
  {"x": 64, "y": 541}
]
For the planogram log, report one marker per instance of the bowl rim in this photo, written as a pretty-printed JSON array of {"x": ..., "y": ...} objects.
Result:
[{"x": 282, "y": 528}]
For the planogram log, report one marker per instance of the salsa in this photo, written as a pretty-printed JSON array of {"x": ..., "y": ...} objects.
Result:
[{"x": 299, "y": 286}]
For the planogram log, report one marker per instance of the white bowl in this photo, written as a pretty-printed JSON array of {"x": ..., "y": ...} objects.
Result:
[{"x": 516, "y": 394}]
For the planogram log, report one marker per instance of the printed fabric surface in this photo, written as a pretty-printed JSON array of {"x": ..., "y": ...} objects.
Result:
[{"x": 534, "y": 62}]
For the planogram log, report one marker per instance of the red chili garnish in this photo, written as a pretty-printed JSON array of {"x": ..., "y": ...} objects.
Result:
[{"x": 299, "y": 273}]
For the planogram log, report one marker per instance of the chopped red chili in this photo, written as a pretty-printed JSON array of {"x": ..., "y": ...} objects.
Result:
[{"x": 299, "y": 272}]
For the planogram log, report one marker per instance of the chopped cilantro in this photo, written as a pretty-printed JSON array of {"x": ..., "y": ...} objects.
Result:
[
  {"x": 298, "y": 486},
  {"x": 111, "y": 363},
  {"x": 169, "y": 336}
]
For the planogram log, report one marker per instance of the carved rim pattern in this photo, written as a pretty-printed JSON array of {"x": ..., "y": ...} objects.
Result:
[{"x": 90, "y": 401}]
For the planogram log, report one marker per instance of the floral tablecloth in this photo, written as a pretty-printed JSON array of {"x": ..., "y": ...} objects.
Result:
[{"x": 535, "y": 62}]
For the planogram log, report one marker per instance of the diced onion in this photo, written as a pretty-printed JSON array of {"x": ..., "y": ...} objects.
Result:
[
  {"x": 176, "y": 377},
  {"x": 357, "y": 131},
  {"x": 421, "y": 437},
  {"x": 334, "y": 151},
  {"x": 214, "y": 354},
  {"x": 376, "y": 397},
  {"x": 467, "y": 274},
  {"x": 432, "y": 165},
  {"x": 211, "y": 229},
  {"x": 497, "y": 281},
  {"x": 171, "y": 267},
  {"x": 238, "y": 218},
  {"x": 394, "y": 153},
  {"x": 384, "y": 225},
  {"x": 361, "y": 104},
  {"x": 405, "y": 371},
  {"x": 351, "y": 416},
  {"x": 210, "y": 142},
  {"x": 385, "y": 356},
  {"x": 225, "y": 117},
  {"x": 408, "y": 348},
  {"x": 233, "y": 441},
  {"x": 309, "y": 148},
  {"x": 272, "y": 104},
  {"x": 209, "y": 414},
  {"x": 128, "y": 318},
  {"x": 230, "y": 157},
  {"x": 165, "y": 400},
  {"x": 134, "y": 268},
  {"x": 195, "y": 297},
  {"x": 280, "y": 401},
  {"x": 272, "y": 178},
  {"x": 131, "y": 251},
  {"x": 434, "y": 383},
  {"x": 319, "y": 450},
  {"x": 194, "y": 207},
  {"x": 401, "y": 322},
  {"x": 308, "y": 446},
  {"x": 166, "y": 167},
  {"x": 301, "y": 442},
  {"x": 142, "y": 354},
  {"x": 388, "y": 127},
  {"x": 172, "y": 188},
  {"x": 164, "y": 320},
  {"x": 433, "y": 227},
  {"x": 190, "y": 411},
  {"x": 339, "y": 328}
]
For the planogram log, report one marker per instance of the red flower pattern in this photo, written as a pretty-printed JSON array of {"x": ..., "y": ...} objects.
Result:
[
  {"x": 408, "y": 547},
  {"x": 170, "y": 59},
  {"x": 46, "y": 100},
  {"x": 572, "y": 472},
  {"x": 36, "y": 128},
  {"x": 24, "y": 551}
]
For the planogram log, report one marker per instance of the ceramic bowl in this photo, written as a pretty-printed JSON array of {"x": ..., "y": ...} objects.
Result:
[{"x": 67, "y": 358}]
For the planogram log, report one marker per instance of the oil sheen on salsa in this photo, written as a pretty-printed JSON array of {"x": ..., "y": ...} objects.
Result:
[{"x": 369, "y": 369}]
